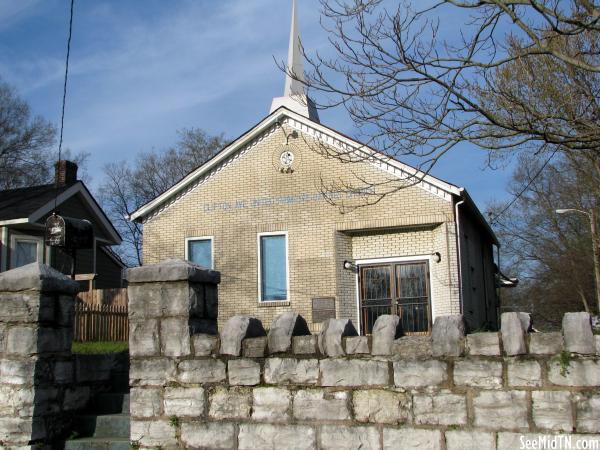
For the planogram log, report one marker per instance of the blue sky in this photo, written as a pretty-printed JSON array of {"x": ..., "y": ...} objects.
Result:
[{"x": 141, "y": 70}]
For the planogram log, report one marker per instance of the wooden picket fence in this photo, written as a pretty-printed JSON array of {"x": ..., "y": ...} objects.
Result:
[{"x": 101, "y": 315}]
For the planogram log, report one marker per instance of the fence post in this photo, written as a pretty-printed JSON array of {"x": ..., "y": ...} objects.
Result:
[{"x": 36, "y": 331}]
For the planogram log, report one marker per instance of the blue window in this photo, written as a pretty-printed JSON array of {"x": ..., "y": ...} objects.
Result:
[
  {"x": 273, "y": 267},
  {"x": 199, "y": 251}
]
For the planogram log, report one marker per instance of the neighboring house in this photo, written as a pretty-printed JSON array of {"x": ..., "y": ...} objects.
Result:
[
  {"x": 256, "y": 213},
  {"x": 23, "y": 214}
]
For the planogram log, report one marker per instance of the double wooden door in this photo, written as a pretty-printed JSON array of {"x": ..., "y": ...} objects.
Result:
[{"x": 400, "y": 288}]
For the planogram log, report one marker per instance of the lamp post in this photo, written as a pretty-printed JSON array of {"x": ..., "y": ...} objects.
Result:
[{"x": 595, "y": 244}]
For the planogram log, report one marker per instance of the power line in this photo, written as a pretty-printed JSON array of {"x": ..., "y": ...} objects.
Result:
[
  {"x": 516, "y": 197},
  {"x": 64, "y": 99}
]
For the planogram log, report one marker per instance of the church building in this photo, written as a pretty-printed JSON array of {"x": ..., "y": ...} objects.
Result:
[{"x": 286, "y": 214}]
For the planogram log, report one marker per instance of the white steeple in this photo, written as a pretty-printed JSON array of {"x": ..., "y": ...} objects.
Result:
[{"x": 294, "y": 96}]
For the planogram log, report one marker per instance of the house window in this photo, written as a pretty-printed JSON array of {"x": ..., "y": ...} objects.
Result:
[
  {"x": 273, "y": 267},
  {"x": 25, "y": 250},
  {"x": 199, "y": 251}
]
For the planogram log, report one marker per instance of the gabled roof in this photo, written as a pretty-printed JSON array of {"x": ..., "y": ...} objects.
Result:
[
  {"x": 30, "y": 204},
  {"x": 319, "y": 131}
]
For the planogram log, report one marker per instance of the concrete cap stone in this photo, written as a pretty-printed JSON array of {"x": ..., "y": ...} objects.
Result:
[
  {"x": 513, "y": 334},
  {"x": 447, "y": 335},
  {"x": 282, "y": 329},
  {"x": 387, "y": 328},
  {"x": 172, "y": 270},
  {"x": 235, "y": 330},
  {"x": 577, "y": 331},
  {"x": 39, "y": 277},
  {"x": 330, "y": 338}
]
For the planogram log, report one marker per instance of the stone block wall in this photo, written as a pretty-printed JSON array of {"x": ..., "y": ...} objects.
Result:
[
  {"x": 246, "y": 389},
  {"x": 42, "y": 385}
]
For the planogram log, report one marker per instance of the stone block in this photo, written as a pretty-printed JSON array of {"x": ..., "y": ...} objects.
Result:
[
  {"x": 470, "y": 440},
  {"x": 379, "y": 406},
  {"x": 282, "y": 329},
  {"x": 95, "y": 368},
  {"x": 440, "y": 408},
  {"x": 524, "y": 373},
  {"x": 317, "y": 404},
  {"x": 211, "y": 301},
  {"x": 545, "y": 343},
  {"x": 205, "y": 344},
  {"x": 203, "y": 326},
  {"x": 144, "y": 338},
  {"x": 332, "y": 332},
  {"x": 201, "y": 371},
  {"x": 76, "y": 398},
  {"x": 174, "y": 337},
  {"x": 54, "y": 340},
  {"x": 414, "y": 374},
  {"x": 552, "y": 410},
  {"x": 386, "y": 330},
  {"x": 588, "y": 413},
  {"x": 65, "y": 311},
  {"x": 208, "y": 435},
  {"x": 447, "y": 336},
  {"x": 513, "y": 335},
  {"x": 38, "y": 277},
  {"x": 145, "y": 301},
  {"x": 304, "y": 345},
  {"x": 64, "y": 372},
  {"x": 291, "y": 371},
  {"x": 22, "y": 340},
  {"x": 276, "y": 437},
  {"x": 596, "y": 338},
  {"x": 478, "y": 373},
  {"x": 236, "y": 329},
  {"x": 525, "y": 319},
  {"x": 243, "y": 372},
  {"x": 577, "y": 331},
  {"x": 144, "y": 402},
  {"x": 356, "y": 345},
  {"x": 411, "y": 438},
  {"x": 232, "y": 403},
  {"x": 184, "y": 402},
  {"x": 17, "y": 371},
  {"x": 16, "y": 400},
  {"x": 254, "y": 347},
  {"x": 334, "y": 437},
  {"x": 153, "y": 433},
  {"x": 483, "y": 344},
  {"x": 501, "y": 410},
  {"x": 577, "y": 372},
  {"x": 413, "y": 347},
  {"x": 152, "y": 372},
  {"x": 27, "y": 307},
  {"x": 172, "y": 270},
  {"x": 271, "y": 404},
  {"x": 20, "y": 430},
  {"x": 354, "y": 372}
]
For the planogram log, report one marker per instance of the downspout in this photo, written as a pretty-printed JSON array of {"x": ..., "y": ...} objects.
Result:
[{"x": 457, "y": 229}]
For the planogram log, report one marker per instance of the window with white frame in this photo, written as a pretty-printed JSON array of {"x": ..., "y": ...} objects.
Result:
[
  {"x": 25, "y": 250},
  {"x": 273, "y": 281},
  {"x": 199, "y": 250}
]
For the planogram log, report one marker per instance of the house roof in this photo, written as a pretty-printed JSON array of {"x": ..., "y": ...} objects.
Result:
[
  {"x": 319, "y": 131},
  {"x": 30, "y": 204},
  {"x": 22, "y": 202}
]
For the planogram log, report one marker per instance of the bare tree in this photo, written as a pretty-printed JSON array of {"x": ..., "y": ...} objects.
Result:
[
  {"x": 412, "y": 91},
  {"x": 552, "y": 254},
  {"x": 26, "y": 157},
  {"x": 129, "y": 186}
]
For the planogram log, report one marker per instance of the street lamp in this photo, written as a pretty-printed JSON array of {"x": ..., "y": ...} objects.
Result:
[{"x": 595, "y": 244}]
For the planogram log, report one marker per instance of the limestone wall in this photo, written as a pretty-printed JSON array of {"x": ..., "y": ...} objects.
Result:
[
  {"x": 42, "y": 386},
  {"x": 289, "y": 389}
]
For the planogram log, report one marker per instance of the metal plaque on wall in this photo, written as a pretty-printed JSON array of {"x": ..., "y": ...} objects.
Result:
[{"x": 323, "y": 308}]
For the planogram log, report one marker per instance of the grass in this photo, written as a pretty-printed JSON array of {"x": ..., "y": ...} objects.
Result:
[{"x": 99, "y": 348}]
